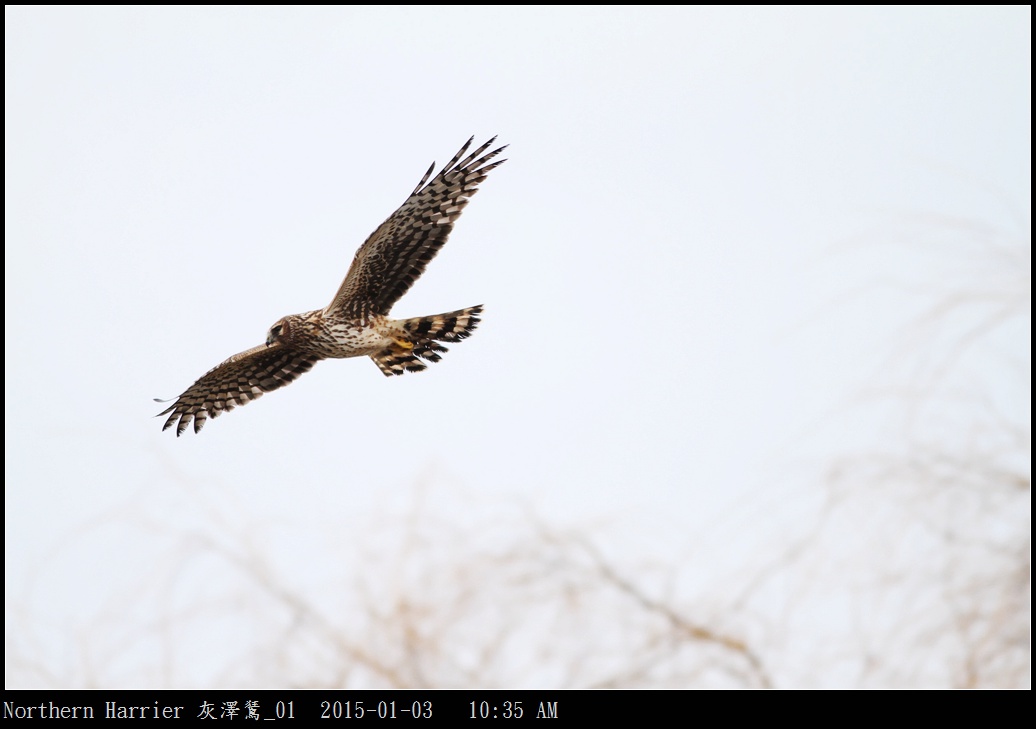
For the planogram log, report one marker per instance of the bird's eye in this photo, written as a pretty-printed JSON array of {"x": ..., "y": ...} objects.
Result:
[{"x": 274, "y": 334}]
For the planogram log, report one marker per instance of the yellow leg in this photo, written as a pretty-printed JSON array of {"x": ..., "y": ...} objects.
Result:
[{"x": 404, "y": 344}]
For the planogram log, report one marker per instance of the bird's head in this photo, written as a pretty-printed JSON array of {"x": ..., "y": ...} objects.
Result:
[{"x": 279, "y": 332}]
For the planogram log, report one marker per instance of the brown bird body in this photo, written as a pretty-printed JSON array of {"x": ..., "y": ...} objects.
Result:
[{"x": 356, "y": 322}]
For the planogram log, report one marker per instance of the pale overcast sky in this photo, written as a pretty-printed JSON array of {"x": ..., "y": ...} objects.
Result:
[{"x": 699, "y": 255}]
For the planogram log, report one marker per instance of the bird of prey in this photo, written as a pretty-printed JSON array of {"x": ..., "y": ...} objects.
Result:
[{"x": 356, "y": 322}]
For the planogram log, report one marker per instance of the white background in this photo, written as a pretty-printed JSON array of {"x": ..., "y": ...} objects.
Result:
[{"x": 707, "y": 261}]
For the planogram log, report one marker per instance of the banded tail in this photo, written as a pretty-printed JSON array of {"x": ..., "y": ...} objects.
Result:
[{"x": 421, "y": 340}]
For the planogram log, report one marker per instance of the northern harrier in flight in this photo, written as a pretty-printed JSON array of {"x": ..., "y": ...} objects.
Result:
[{"x": 356, "y": 321}]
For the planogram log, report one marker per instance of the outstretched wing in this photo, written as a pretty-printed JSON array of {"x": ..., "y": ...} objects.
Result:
[
  {"x": 395, "y": 254},
  {"x": 241, "y": 379}
]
